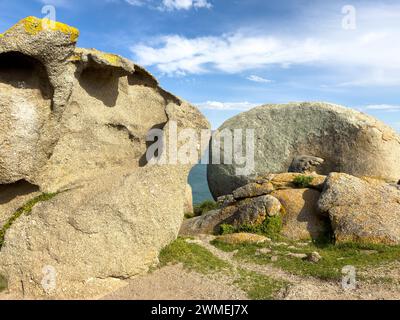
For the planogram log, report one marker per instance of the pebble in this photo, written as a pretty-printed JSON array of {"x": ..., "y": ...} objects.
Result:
[
  {"x": 263, "y": 251},
  {"x": 297, "y": 255},
  {"x": 314, "y": 257}
]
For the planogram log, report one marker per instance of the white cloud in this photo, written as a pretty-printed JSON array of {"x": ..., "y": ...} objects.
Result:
[
  {"x": 136, "y": 3},
  {"x": 216, "y": 105},
  {"x": 383, "y": 107},
  {"x": 170, "y": 5},
  {"x": 228, "y": 53},
  {"x": 255, "y": 78},
  {"x": 368, "y": 55},
  {"x": 185, "y": 4}
]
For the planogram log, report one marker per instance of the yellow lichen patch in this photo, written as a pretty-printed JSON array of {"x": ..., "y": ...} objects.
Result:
[
  {"x": 33, "y": 26},
  {"x": 108, "y": 58},
  {"x": 111, "y": 58}
]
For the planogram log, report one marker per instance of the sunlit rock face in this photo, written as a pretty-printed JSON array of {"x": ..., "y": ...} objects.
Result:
[
  {"x": 347, "y": 140},
  {"x": 74, "y": 122}
]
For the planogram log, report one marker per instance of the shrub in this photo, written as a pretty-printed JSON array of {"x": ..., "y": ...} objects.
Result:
[
  {"x": 271, "y": 227},
  {"x": 204, "y": 207},
  {"x": 303, "y": 181},
  {"x": 227, "y": 229}
]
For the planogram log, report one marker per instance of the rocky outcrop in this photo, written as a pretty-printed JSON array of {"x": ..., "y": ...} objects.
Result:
[
  {"x": 271, "y": 195},
  {"x": 362, "y": 210},
  {"x": 251, "y": 211},
  {"x": 347, "y": 140},
  {"x": 302, "y": 219},
  {"x": 75, "y": 122}
]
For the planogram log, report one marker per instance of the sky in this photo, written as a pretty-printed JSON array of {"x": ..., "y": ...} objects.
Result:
[{"x": 227, "y": 56}]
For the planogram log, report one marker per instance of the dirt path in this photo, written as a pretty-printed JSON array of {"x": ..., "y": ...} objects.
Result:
[
  {"x": 304, "y": 288},
  {"x": 174, "y": 282}
]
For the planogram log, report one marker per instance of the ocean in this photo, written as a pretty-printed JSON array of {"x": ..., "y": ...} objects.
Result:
[{"x": 198, "y": 182}]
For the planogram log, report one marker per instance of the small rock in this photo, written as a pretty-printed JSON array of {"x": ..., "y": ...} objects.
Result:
[
  {"x": 263, "y": 251},
  {"x": 368, "y": 252},
  {"x": 297, "y": 255},
  {"x": 305, "y": 163},
  {"x": 226, "y": 200},
  {"x": 314, "y": 257},
  {"x": 279, "y": 244},
  {"x": 274, "y": 258},
  {"x": 292, "y": 248},
  {"x": 302, "y": 244},
  {"x": 193, "y": 241},
  {"x": 253, "y": 190}
]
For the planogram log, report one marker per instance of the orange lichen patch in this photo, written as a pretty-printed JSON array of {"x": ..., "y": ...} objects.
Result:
[{"x": 33, "y": 26}]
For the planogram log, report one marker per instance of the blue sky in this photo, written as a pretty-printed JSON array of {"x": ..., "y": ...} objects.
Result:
[{"x": 227, "y": 56}]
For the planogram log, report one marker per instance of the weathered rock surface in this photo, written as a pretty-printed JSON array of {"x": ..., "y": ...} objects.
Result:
[
  {"x": 247, "y": 211},
  {"x": 253, "y": 190},
  {"x": 188, "y": 206},
  {"x": 362, "y": 210},
  {"x": 286, "y": 180},
  {"x": 76, "y": 120},
  {"x": 302, "y": 219},
  {"x": 305, "y": 164},
  {"x": 347, "y": 140},
  {"x": 270, "y": 195},
  {"x": 242, "y": 237}
]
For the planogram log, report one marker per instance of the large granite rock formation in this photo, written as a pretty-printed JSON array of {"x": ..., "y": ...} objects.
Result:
[
  {"x": 348, "y": 141},
  {"x": 362, "y": 210},
  {"x": 271, "y": 195},
  {"x": 74, "y": 122}
]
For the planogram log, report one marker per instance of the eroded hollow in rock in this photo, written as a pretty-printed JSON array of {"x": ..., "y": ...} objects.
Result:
[
  {"x": 25, "y": 103},
  {"x": 8, "y": 192},
  {"x": 101, "y": 83},
  {"x": 24, "y": 72}
]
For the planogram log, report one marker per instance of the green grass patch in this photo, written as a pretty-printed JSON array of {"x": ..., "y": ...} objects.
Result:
[
  {"x": 3, "y": 283},
  {"x": 334, "y": 257},
  {"x": 192, "y": 256},
  {"x": 271, "y": 227},
  {"x": 195, "y": 257},
  {"x": 303, "y": 181},
  {"x": 25, "y": 209},
  {"x": 204, "y": 207},
  {"x": 259, "y": 286}
]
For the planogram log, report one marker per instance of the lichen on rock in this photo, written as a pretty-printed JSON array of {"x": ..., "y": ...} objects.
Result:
[{"x": 76, "y": 120}]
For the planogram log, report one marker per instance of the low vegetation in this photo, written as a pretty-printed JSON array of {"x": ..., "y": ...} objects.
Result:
[
  {"x": 195, "y": 257},
  {"x": 303, "y": 181},
  {"x": 334, "y": 257},
  {"x": 3, "y": 283},
  {"x": 271, "y": 227},
  {"x": 192, "y": 256},
  {"x": 25, "y": 209},
  {"x": 204, "y": 207}
]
